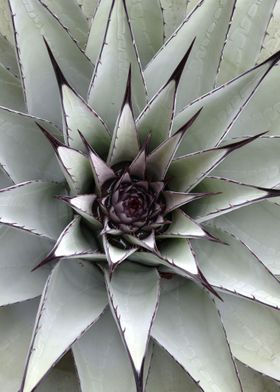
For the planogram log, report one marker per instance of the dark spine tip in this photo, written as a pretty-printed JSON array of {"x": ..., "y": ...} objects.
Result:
[
  {"x": 58, "y": 73},
  {"x": 53, "y": 140},
  {"x": 241, "y": 143},
  {"x": 127, "y": 95},
  {"x": 176, "y": 75},
  {"x": 208, "y": 286},
  {"x": 189, "y": 123},
  {"x": 50, "y": 257}
]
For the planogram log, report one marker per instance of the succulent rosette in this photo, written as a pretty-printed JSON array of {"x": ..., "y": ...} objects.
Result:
[{"x": 139, "y": 201}]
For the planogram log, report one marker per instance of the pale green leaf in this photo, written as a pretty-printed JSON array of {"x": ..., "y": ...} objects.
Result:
[
  {"x": 10, "y": 90},
  {"x": 7, "y": 52},
  {"x": 147, "y": 25},
  {"x": 114, "y": 254},
  {"x": 102, "y": 362},
  {"x": 271, "y": 41},
  {"x": 74, "y": 296},
  {"x": 83, "y": 204},
  {"x": 200, "y": 72},
  {"x": 71, "y": 17},
  {"x": 231, "y": 196},
  {"x": 20, "y": 253},
  {"x": 23, "y": 162},
  {"x": 166, "y": 375},
  {"x": 77, "y": 169},
  {"x": 255, "y": 164},
  {"x": 253, "y": 331},
  {"x": 88, "y": 7},
  {"x": 124, "y": 144},
  {"x": 98, "y": 29},
  {"x": 174, "y": 12},
  {"x": 134, "y": 293},
  {"x": 234, "y": 268},
  {"x": 226, "y": 102},
  {"x": 108, "y": 83},
  {"x": 197, "y": 342},
  {"x": 245, "y": 37},
  {"x": 32, "y": 206},
  {"x": 253, "y": 381},
  {"x": 15, "y": 332},
  {"x": 6, "y": 28},
  {"x": 80, "y": 117},
  {"x": 258, "y": 227}
]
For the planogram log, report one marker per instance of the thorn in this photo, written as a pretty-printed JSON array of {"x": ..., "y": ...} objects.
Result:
[
  {"x": 127, "y": 95},
  {"x": 58, "y": 73},
  {"x": 53, "y": 140},
  {"x": 176, "y": 75}
]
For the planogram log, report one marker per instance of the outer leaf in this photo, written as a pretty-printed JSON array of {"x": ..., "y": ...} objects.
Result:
[
  {"x": 62, "y": 377},
  {"x": 5, "y": 22},
  {"x": 32, "y": 206},
  {"x": 71, "y": 17},
  {"x": 88, "y": 7},
  {"x": 233, "y": 195},
  {"x": 74, "y": 295},
  {"x": 255, "y": 164},
  {"x": 147, "y": 25},
  {"x": 7, "y": 51},
  {"x": 20, "y": 252},
  {"x": 227, "y": 102},
  {"x": 255, "y": 382},
  {"x": 271, "y": 39},
  {"x": 253, "y": 332},
  {"x": 23, "y": 162},
  {"x": 237, "y": 270},
  {"x": 10, "y": 90},
  {"x": 80, "y": 117},
  {"x": 166, "y": 375},
  {"x": 245, "y": 37},
  {"x": 74, "y": 64},
  {"x": 101, "y": 359},
  {"x": 98, "y": 29},
  {"x": 15, "y": 332},
  {"x": 257, "y": 226},
  {"x": 187, "y": 171},
  {"x": 188, "y": 312},
  {"x": 200, "y": 73},
  {"x": 134, "y": 293},
  {"x": 174, "y": 12},
  {"x": 116, "y": 56}
]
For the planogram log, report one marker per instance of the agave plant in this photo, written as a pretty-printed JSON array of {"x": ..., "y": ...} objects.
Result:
[{"x": 139, "y": 201}]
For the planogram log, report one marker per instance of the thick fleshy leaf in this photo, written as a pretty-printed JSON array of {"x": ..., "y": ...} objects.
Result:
[
  {"x": 83, "y": 204},
  {"x": 227, "y": 102},
  {"x": 114, "y": 254},
  {"x": 74, "y": 242},
  {"x": 160, "y": 159},
  {"x": 15, "y": 332},
  {"x": 199, "y": 75},
  {"x": 20, "y": 252},
  {"x": 88, "y": 7},
  {"x": 178, "y": 253},
  {"x": 10, "y": 90},
  {"x": 155, "y": 120},
  {"x": 71, "y": 17},
  {"x": 7, "y": 51},
  {"x": 271, "y": 40},
  {"x": 244, "y": 43},
  {"x": 124, "y": 145},
  {"x": 80, "y": 117},
  {"x": 197, "y": 332},
  {"x": 147, "y": 26},
  {"x": 32, "y": 206},
  {"x": 5, "y": 22},
  {"x": 74, "y": 296},
  {"x": 167, "y": 375},
  {"x": 174, "y": 12},
  {"x": 23, "y": 162},
  {"x": 148, "y": 242},
  {"x": 230, "y": 195},
  {"x": 74, "y": 64},
  {"x": 187, "y": 171},
  {"x": 175, "y": 200},
  {"x": 254, "y": 164},
  {"x": 253, "y": 331},
  {"x": 183, "y": 226},
  {"x": 102, "y": 362},
  {"x": 258, "y": 227},
  {"x": 77, "y": 169},
  {"x": 253, "y": 381},
  {"x": 98, "y": 29},
  {"x": 234, "y": 268},
  {"x": 134, "y": 293},
  {"x": 116, "y": 56},
  {"x": 63, "y": 377}
]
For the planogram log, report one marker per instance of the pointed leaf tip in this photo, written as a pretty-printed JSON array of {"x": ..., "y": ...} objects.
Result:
[
  {"x": 57, "y": 70},
  {"x": 127, "y": 96},
  {"x": 176, "y": 75},
  {"x": 53, "y": 140}
]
